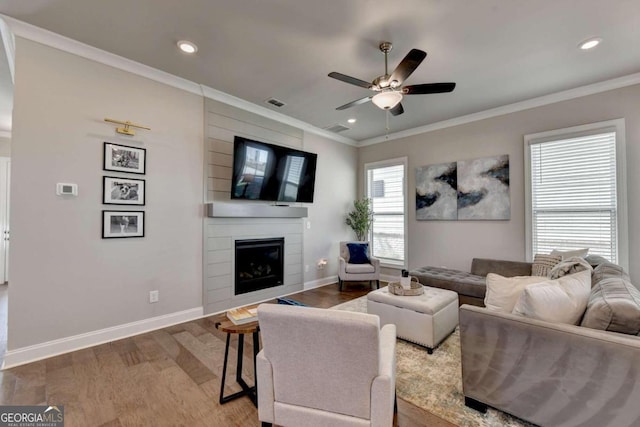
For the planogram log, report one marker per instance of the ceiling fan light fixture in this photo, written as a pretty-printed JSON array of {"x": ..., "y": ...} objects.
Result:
[{"x": 387, "y": 100}]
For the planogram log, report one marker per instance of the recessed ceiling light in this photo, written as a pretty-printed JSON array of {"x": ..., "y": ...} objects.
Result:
[
  {"x": 590, "y": 43},
  {"x": 351, "y": 121},
  {"x": 187, "y": 46}
]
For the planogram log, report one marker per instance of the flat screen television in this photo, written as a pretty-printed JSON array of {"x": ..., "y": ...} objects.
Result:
[{"x": 270, "y": 172}]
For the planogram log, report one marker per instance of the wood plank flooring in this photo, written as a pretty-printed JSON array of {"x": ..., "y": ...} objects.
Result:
[{"x": 168, "y": 377}]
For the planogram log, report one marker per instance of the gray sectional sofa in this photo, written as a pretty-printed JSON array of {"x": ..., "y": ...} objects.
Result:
[
  {"x": 555, "y": 374},
  {"x": 471, "y": 287}
]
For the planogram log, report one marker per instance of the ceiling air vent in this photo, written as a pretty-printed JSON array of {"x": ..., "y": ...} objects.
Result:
[
  {"x": 275, "y": 102},
  {"x": 337, "y": 128}
]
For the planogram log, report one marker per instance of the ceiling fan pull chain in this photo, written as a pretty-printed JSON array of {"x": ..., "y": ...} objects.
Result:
[{"x": 386, "y": 115}]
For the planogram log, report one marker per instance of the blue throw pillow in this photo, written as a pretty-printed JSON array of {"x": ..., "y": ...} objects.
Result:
[{"x": 358, "y": 253}]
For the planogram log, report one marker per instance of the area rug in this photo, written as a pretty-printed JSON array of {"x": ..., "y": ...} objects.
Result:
[{"x": 433, "y": 382}]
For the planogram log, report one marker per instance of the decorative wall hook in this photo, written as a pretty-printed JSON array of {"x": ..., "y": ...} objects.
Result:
[{"x": 126, "y": 130}]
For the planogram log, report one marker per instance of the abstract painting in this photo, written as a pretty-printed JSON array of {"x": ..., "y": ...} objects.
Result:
[
  {"x": 475, "y": 189},
  {"x": 483, "y": 188},
  {"x": 436, "y": 192}
]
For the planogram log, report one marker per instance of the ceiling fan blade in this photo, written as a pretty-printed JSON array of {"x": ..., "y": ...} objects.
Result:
[
  {"x": 354, "y": 103},
  {"x": 397, "y": 110},
  {"x": 350, "y": 80},
  {"x": 408, "y": 65},
  {"x": 428, "y": 88}
]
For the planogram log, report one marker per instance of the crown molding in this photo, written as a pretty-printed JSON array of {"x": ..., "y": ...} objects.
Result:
[
  {"x": 57, "y": 41},
  {"x": 629, "y": 80}
]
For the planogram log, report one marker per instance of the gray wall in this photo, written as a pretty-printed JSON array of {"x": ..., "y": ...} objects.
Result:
[
  {"x": 65, "y": 279},
  {"x": 334, "y": 194},
  {"x": 455, "y": 243}
]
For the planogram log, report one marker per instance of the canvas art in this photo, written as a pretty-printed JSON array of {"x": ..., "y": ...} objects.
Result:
[
  {"x": 476, "y": 189},
  {"x": 436, "y": 192},
  {"x": 483, "y": 188}
]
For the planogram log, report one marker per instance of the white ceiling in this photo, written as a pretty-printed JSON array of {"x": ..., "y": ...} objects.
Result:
[{"x": 497, "y": 51}]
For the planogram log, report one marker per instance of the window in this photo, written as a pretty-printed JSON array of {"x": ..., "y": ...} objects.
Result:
[
  {"x": 576, "y": 191},
  {"x": 385, "y": 186}
]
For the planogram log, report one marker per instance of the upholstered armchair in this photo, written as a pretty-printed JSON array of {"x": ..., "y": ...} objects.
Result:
[
  {"x": 349, "y": 271},
  {"x": 323, "y": 367}
]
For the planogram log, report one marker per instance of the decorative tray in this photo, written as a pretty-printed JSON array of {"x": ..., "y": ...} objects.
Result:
[{"x": 397, "y": 289}]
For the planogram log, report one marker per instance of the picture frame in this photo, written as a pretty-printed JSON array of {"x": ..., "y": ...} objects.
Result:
[
  {"x": 123, "y": 158},
  {"x": 122, "y": 224},
  {"x": 123, "y": 191}
]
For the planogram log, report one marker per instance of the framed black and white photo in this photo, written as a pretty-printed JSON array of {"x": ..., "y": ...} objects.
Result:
[
  {"x": 122, "y": 158},
  {"x": 122, "y": 224},
  {"x": 123, "y": 191}
]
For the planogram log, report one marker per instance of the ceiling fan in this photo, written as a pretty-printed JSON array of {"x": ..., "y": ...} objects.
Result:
[{"x": 389, "y": 86}]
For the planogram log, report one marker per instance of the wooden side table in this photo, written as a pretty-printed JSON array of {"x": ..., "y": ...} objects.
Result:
[{"x": 248, "y": 328}]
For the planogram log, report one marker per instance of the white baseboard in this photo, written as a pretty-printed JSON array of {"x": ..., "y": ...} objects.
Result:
[
  {"x": 47, "y": 349},
  {"x": 320, "y": 282}
]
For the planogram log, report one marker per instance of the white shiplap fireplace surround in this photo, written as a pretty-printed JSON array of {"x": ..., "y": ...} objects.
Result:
[{"x": 229, "y": 220}]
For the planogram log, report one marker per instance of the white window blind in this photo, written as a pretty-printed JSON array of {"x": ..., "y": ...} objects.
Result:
[
  {"x": 574, "y": 194},
  {"x": 385, "y": 187}
]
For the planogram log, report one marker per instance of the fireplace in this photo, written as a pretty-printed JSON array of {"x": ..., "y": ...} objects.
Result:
[{"x": 259, "y": 264}]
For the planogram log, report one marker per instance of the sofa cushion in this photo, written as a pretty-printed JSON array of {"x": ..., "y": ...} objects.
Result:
[
  {"x": 614, "y": 305},
  {"x": 358, "y": 253},
  {"x": 454, "y": 280},
  {"x": 359, "y": 268},
  {"x": 562, "y": 300},
  {"x": 608, "y": 270},
  {"x": 503, "y": 292},
  {"x": 484, "y": 266},
  {"x": 542, "y": 264}
]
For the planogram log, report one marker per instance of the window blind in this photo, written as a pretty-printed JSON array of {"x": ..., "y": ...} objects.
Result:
[
  {"x": 385, "y": 187},
  {"x": 573, "y": 194}
]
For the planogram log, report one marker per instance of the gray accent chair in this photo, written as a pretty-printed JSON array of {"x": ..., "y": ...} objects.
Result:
[
  {"x": 357, "y": 272},
  {"x": 322, "y": 367}
]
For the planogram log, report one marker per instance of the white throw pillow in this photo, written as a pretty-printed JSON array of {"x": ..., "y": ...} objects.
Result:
[
  {"x": 563, "y": 300},
  {"x": 568, "y": 254},
  {"x": 503, "y": 292}
]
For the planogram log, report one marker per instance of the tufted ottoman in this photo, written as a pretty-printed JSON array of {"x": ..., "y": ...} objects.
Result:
[
  {"x": 470, "y": 287},
  {"x": 425, "y": 319}
]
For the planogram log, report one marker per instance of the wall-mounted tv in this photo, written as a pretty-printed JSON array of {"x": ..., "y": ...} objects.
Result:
[{"x": 270, "y": 172}]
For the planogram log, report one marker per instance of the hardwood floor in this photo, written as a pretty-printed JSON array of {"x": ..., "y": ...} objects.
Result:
[{"x": 168, "y": 377}]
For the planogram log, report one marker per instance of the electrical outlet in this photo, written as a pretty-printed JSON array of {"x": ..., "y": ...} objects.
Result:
[
  {"x": 154, "y": 296},
  {"x": 306, "y": 268},
  {"x": 308, "y": 225}
]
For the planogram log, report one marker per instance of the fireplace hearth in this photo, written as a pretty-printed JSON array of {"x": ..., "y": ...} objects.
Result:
[{"x": 259, "y": 264}]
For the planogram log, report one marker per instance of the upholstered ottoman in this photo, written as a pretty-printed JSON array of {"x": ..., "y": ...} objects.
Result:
[{"x": 425, "y": 319}]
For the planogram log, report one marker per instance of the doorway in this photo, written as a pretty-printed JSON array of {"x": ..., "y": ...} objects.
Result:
[{"x": 5, "y": 175}]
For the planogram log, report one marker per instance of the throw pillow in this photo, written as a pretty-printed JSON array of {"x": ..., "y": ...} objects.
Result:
[
  {"x": 358, "y": 253},
  {"x": 614, "y": 305},
  {"x": 568, "y": 254},
  {"x": 503, "y": 292},
  {"x": 542, "y": 264},
  {"x": 563, "y": 300}
]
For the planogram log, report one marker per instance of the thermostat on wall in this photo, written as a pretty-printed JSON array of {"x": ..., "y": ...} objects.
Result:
[{"x": 63, "y": 189}]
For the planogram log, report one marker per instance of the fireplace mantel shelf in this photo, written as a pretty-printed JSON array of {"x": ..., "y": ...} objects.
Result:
[{"x": 253, "y": 210}]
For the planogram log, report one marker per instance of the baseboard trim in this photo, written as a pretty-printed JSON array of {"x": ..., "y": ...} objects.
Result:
[
  {"x": 320, "y": 282},
  {"x": 21, "y": 356}
]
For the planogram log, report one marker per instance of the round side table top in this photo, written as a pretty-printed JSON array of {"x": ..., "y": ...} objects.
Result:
[{"x": 231, "y": 328}]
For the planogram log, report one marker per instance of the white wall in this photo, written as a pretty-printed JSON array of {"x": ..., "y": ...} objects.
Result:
[
  {"x": 334, "y": 194},
  {"x": 65, "y": 279},
  {"x": 455, "y": 243}
]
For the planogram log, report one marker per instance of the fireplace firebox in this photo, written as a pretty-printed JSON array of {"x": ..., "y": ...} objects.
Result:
[{"x": 259, "y": 264}]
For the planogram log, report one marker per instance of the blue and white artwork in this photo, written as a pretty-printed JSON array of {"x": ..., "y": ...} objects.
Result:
[
  {"x": 436, "y": 192},
  {"x": 475, "y": 189}
]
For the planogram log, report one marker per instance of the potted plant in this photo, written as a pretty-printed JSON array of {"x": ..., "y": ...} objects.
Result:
[{"x": 361, "y": 218}]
